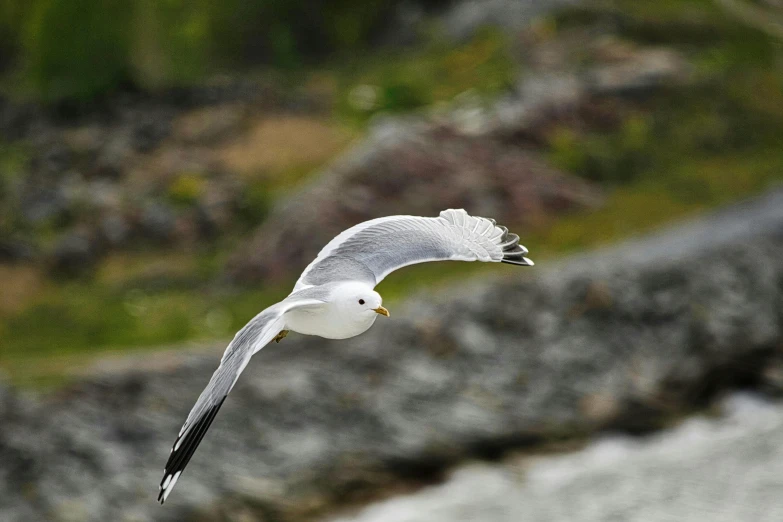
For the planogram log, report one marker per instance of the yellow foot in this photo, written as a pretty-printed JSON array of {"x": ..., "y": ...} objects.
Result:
[{"x": 279, "y": 337}]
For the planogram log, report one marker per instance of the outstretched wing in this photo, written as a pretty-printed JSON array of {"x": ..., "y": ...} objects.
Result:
[
  {"x": 371, "y": 250},
  {"x": 251, "y": 338}
]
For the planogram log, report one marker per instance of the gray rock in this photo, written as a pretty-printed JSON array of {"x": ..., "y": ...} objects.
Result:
[
  {"x": 74, "y": 253},
  {"x": 16, "y": 248},
  {"x": 624, "y": 338},
  {"x": 216, "y": 206},
  {"x": 114, "y": 228},
  {"x": 54, "y": 159},
  {"x": 157, "y": 220},
  {"x": 640, "y": 73},
  {"x": 210, "y": 125},
  {"x": 466, "y": 17},
  {"x": 552, "y": 94},
  {"x": 43, "y": 204},
  {"x": 725, "y": 469},
  {"x": 149, "y": 128}
]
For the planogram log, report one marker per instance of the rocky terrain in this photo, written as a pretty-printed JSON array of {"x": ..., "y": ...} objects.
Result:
[
  {"x": 626, "y": 361},
  {"x": 723, "y": 469},
  {"x": 182, "y": 168},
  {"x": 403, "y": 169},
  {"x": 626, "y": 339},
  {"x": 138, "y": 169},
  {"x": 486, "y": 157}
]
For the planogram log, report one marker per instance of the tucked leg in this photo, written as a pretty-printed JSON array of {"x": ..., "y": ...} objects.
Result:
[{"x": 279, "y": 337}]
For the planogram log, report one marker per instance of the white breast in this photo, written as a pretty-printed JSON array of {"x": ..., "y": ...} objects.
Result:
[{"x": 328, "y": 322}]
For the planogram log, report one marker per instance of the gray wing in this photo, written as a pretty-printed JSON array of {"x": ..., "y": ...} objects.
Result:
[
  {"x": 371, "y": 250},
  {"x": 250, "y": 339}
]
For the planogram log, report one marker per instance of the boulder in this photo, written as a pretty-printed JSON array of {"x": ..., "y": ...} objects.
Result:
[{"x": 729, "y": 467}]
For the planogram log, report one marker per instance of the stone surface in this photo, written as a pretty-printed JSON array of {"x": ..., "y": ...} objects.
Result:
[
  {"x": 641, "y": 71},
  {"x": 105, "y": 167},
  {"x": 466, "y": 17},
  {"x": 74, "y": 253},
  {"x": 620, "y": 339},
  {"x": 724, "y": 470}
]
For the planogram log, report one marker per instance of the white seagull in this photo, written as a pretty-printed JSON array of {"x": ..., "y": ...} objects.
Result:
[{"x": 334, "y": 298}]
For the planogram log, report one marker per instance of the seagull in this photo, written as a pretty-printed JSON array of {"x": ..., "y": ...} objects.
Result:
[{"x": 335, "y": 298}]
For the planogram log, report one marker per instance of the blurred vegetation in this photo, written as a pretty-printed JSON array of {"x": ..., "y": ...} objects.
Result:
[
  {"x": 678, "y": 152},
  {"x": 83, "y": 48},
  {"x": 395, "y": 82},
  {"x": 186, "y": 188},
  {"x": 682, "y": 150}
]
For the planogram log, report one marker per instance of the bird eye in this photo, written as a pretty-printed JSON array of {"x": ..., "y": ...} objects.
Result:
[{"x": 361, "y": 301}]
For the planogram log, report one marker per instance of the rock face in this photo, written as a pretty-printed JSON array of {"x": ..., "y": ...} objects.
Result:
[
  {"x": 417, "y": 169},
  {"x": 623, "y": 338},
  {"x": 724, "y": 469}
]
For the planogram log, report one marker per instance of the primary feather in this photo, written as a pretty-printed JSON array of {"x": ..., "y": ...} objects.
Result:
[
  {"x": 254, "y": 336},
  {"x": 371, "y": 250}
]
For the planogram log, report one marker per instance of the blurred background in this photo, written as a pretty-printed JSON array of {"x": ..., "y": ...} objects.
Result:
[{"x": 168, "y": 168}]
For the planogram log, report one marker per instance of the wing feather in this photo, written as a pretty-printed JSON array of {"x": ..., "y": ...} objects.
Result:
[
  {"x": 371, "y": 250},
  {"x": 249, "y": 340}
]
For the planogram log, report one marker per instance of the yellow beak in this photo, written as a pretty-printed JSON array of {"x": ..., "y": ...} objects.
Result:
[{"x": 381, "y": 310}]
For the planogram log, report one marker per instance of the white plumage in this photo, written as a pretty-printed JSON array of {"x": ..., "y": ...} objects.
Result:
[{"x": 334, "y": 298}]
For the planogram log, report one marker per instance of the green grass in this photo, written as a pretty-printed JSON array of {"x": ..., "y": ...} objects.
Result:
[{"x": 89, "y": 317}]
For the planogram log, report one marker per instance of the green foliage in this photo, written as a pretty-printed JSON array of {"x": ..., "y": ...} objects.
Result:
[
  {"x": 13, "y": 162},
  {"x": 77, "y": 48},
  {"x": 617, "y": 157},
  {"x": 171, "y": 42},
  {"x": 287, "y": 32},
  {"x": 12, "y": 16},
  {"x": 255, "y": 204},
  {"x": 82, "y": 48},
  {"x": 736, "y": 106},
  {"x": 186, "y": 189},
  {"x": 401, "y": 81},
  {"x": 84, "y": 316},
  {"x": 88, "y": 317}
]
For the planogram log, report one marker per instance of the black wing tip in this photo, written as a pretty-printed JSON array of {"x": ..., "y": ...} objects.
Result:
[
  {"x": 513, "y": 252},
  {"x": 183, "y": 450},
  {"x": 523, "y": 262}
]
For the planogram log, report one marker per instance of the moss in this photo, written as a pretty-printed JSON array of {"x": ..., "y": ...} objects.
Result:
[
  {"x": 13, "y": 165},
  {"x": 186, "y": 189}
]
